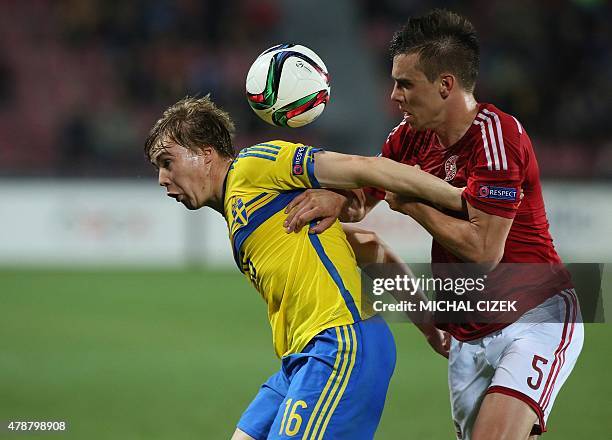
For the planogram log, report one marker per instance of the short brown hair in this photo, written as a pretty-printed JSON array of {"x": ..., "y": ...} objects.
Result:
[
  {"x": 445, "y": 42},
  {"x": 193, "y": 123}
]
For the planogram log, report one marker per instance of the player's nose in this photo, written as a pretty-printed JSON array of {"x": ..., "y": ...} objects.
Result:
[
  {"x": 395, "y": 94},
  {"x": 163, "y": 178}
]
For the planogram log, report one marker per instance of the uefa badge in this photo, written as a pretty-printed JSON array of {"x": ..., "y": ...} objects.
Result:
[
  {"x": 483, "y": 191},
  {"x": 298, "y": 161},
  {"x": 506, "y": 194}
]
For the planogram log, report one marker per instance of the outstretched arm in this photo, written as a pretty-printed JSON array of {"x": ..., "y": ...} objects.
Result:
[
  {"x": 344, "y": 171},
  {"x": 370, "y": 249},
  {"x": 480, "y": 239}
]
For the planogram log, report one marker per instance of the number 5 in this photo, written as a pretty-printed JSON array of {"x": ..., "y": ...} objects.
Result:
[{"x": 534, "y": 364}]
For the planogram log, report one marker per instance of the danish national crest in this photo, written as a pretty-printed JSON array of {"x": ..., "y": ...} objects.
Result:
[{"x": 450, "y": 167}]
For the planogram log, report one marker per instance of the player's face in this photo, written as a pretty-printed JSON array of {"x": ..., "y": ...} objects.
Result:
[
  {"x": 417, "y": 97},
  {"x": 184, "y": 173}
]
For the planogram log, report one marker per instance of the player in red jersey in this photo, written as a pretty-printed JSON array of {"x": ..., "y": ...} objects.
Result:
[{"x": 504, "y": 375}]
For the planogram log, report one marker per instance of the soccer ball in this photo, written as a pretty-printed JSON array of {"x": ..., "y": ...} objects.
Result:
[{"x": 288, "y": 86}]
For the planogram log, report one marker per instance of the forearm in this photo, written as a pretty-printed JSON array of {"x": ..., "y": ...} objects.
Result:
[
  {"x": 458, "y": 236},
  {"x": 409, "y": 181},
  {"x": 336, "y": 170},
  {"x": 370, "y": 250}
]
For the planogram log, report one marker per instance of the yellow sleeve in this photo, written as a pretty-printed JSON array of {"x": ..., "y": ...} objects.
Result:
[{"x": 278, "y": 165}]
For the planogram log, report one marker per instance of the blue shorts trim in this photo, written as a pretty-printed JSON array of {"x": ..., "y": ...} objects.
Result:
[{"x": 334, "y": 389}]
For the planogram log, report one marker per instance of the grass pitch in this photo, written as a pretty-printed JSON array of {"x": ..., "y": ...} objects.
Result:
[{"x": 179, "y": 355}]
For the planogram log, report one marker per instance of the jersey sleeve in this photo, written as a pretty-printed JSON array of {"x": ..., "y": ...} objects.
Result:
[
  {"x": 279, "y": 165},
  {"x": 390, "y": 149},
  {"x": 497, "y": 168}
]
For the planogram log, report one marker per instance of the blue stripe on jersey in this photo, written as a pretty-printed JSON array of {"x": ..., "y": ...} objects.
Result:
[
  {"x": 310, "y": 167},
  {"x": 331, "y": 269},
  {"x": 261, "y": 156},
  {"x": 265, "y": 150},
  {"x": 257, "y": 218},
  {"x": 269, "y": 145},
  {"x": 253, "y": 200}
]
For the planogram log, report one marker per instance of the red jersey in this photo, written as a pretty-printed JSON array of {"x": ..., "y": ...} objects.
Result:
[{"x": 494, "y": 159}]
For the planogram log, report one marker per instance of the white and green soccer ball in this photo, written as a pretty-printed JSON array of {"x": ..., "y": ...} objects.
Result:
[{"x": 288, "y": 86}]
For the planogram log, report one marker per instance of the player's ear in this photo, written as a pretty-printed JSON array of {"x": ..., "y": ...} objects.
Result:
[
  {"x": 447, "y": 82},
  {"x": 206, "y": 152}
]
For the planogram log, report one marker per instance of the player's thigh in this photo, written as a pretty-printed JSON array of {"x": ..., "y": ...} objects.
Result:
[
  {"x": 540, "y": 357},
  {"x": 469, "y": 376},
  {"x": 257, "y": 419},
  {"x": 503, "y": 417},
  {"x": 341, "y": 396}
]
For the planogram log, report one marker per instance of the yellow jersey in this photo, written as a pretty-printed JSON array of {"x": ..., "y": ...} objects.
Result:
[{"x": 310, "y": 282}]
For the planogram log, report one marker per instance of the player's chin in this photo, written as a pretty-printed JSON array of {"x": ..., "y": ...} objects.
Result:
[
  {"x": 189, "y": 205},
  {"x": 415, "y": 124}
]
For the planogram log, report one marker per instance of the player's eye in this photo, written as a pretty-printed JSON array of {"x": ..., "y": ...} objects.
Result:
[
  {"x": 166, "y": 163},
  {"x": 404, "y": 84}
]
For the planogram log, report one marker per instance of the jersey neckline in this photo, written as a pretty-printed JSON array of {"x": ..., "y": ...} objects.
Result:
[{"x": 466, "y": 135}]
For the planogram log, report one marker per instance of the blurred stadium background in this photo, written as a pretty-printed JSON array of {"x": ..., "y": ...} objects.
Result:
[{"x": 121, "y": 313}]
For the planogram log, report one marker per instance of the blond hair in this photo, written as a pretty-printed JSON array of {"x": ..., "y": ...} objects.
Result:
[{"x": 193, "y": 123}]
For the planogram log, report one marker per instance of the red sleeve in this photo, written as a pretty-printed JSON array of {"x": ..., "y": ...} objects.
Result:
[
  {"x": 497, "y": 167},
  {"x": 390, "y": 150}
]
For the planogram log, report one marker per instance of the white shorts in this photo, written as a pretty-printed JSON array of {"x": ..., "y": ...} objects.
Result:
[{"x": 529, "y": 359}]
